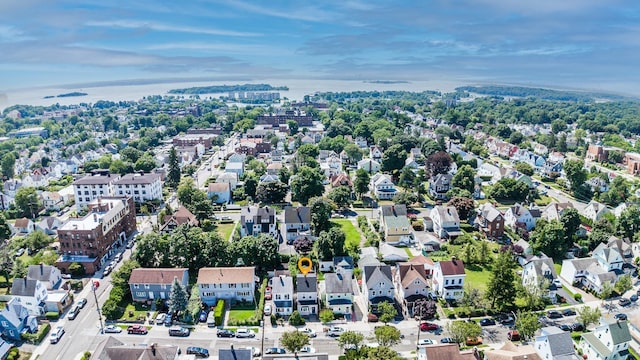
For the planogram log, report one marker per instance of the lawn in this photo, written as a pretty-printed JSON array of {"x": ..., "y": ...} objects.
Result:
[
  {"x": 409, "y": 253},
  {"x": 137, "y": 309},
  {"x": 477, "y": 276},
  {"x": 351, "y": 232},
  {"x": 225, "y": 230},
  {"x": 241, "y": 315}
]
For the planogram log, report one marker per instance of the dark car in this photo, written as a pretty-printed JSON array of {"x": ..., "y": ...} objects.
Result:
[
  {"x": 633, "y": 298},
  {"x": 568, "y": 312},
  {"x": 179, "y": 331},
  {"x": 225, "y": 333},
  {"x": 624, "y": 302},
  {"x": 487, "y": 322},
  {"x": 554, "y": 314},
  {"x": 447, "y": 341},
  {"x": 428, "y": 326},
  {"x": 513, "y": 335},
  {"x": 198, "y": 351},
  {"x": 621, "y": 316},
  {"x": 203, "y": 316},
  {"x": 275, "y": 350},
  {"x": 577, "y": 327},
  {"x": 564, "y": 327},
  {"x": 168, "y": 320}
]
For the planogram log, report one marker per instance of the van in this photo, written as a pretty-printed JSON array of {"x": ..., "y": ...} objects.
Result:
[
  {"x": 160, "y": 318},
  {"x": 73, "y": 312},
  {"x": 211, "y": 319},
  {"x": 178, "y": 331}
]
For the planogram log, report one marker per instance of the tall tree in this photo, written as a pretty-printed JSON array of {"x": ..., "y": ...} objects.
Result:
[
  {"x": 145, "y": 163},
  {"x": 408, "y": 178},
  {"x": 5, "y": 229},
  {"x": 341, "y": 196},
  {"x": 624, "y": 284},
  {"x": 178, "y": 298},
  {"x": 387, "y": 335},
  {"x": 8, "y": 165},
  {"x": 549, "y": 238},
  {"x": 570, "y": 220},
  {"x": 321, "y": 209},
  {"x": 387, "y": 312},
  {"x": 461, "y": 330},
  {"x": 194, "y": 199},
  {"x": 272, "y": 192},
  {"x": 501, "y": 290},
  {"x": 393, "y": 158},
  {"x": 27, "y": 202},
  {"x": 527, "y": 324},
  {"x": 464, "y": 178},
  {"x": 306, "y": 184},
  {"x": 588, "y": 315},
  {"x": 361, "y": 182},
  {"x": 439, "y": 163},
  {"x": 463, "y": 205},
  {"x": 576, "y": 174},
  {"x": 294, "y": 341},
  {"x": 382, "y": 353},
  {"x": 628, "y": 223},
  {"x": 350, "y": 339},
  {"x": 173, "y": 177}
]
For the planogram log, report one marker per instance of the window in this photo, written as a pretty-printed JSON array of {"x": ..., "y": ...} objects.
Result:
[{"x": 141, "y": 294}]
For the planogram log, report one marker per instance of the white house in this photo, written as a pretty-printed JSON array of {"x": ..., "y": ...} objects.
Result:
[
  {"x": 307, "y": 294},
  {"x": 282, "y": 292},
  {"x": 448, "y": 279},
  {"x": 588, "y": 272},
  {"x": 538, "y": 270},
  {"x": 608, "y": 341},
  {"x": 52, "y": 200},
  {"x": 229, "y": 178},
  {"x": 553, "y": 343},
  {"x": 258, "y": 220},
  {"x": 339, "y": 292},
  {"x": 369, "y": 165},
  {"x": 595, "y": 211},
  {"x": 519, "y": 216},
  {"x": 411, "y": 284},
  {"x": 220, "y": 191},
  {"x": 24, "y": 226},
  {"x": 375, "y": 152},
  {"x": 142, "y": 187},
  {"x": 48, "y": 275},
  {"x": 31, "y": 294},
  {"x": 383, "y": 187},
  {"x": 228, "y": 283},
  {"x": 297, "y": 221},
  {"x": 446, "y": 222},
  {"x": 377, "y": 284}
]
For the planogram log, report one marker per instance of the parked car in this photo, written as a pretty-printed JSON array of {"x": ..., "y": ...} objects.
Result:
[
  {"x": 624, "y": 302},
  {"x": 472, "y": 341},
  {"x": 56, "y": 334},
  {"x": 564, "y": 327},
  {"x": 203, "y": 316},
  {"x": 179, "y": 331},
  {"x": 107, "y": 270},
  {"x": 267, "y": 309},
  {"x": 335, "y": 331},
  {"x": 308, "y": 350},
  {"x": 129, "y": 246},
  {"x": 168, "y": 320},
  {"x": 112, "y": 329},
  {"x": 225, "y": 333},
  {"x": 245, "y": 333},
  {"x": 621, "y": 316},
  {"x": 447, "y": 340},
  {"x": 254, "y": 351},
  {"x": 66, "y": 276},
  {"x": 568, "y": 312},
  {"x": 423, "y": 342},
  {"x": 310, "y": 332},
  {"x": 513, "y": 335},
  {"x": 428, "y": 326},
  {"x": 137, "y": 329},
  {"x": 267, "y": 293},
  {"x": 633, "y": 298},
  {"x": 487, "y": 322},
  {"x": 160, "y": 318},
  {"x": 73, "y": 313},
  {"x": 211, "y": 319},
  {"x": 82, "y": 302},
  {"x": 577, "y": 327},
  {"x": 275, "y": 350},
  {"x": 553, "y": 314},
  {"x": 118, "y": 257},
  {"x": 198, "y": 351}
]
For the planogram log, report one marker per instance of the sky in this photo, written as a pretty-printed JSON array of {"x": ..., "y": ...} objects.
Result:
[{"x": 589, "y": 44}]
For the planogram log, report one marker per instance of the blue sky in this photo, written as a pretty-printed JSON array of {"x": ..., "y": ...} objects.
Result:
[{"x": 566, "y": 43}]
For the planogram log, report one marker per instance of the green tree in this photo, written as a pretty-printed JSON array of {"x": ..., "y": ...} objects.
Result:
[
  {"x": 387, "y": 335},
  {"x": 405, "y": 198},
  {"x": 576, "y": 174},
  {"x": 588, "y": 315},
  {"x": 570, "y": 220},
  {"x": 251, "y": 186},
  {"x": 272, "y": 192},
  {"x": 120, "y": 277},
  {"x": 461, "y": 330},
  {"x": 178, "y": 298},
  {"x": 624, "y": 284},
  {"x": 524, "y": 168},
  {"x": 330, "y": 243},
  {"x": 173, "y": 177},
  {"x": 549, "y": 238},
  {"x": 354, "y": 153},
  {"x": 306, "y": 184},
  {"x": 76, "y": 269},
  {"x": 37, "y": 240},
  {"x": 8, "y": 165},
  {"x": 284, "y": 174},
  {"x": 261, "y": 251},
  {"x": 294, "y": 341},
  {"x": 120, "y": 167},
  {"x": 534, "y": 294},
  {"x": 618, "y": 192},
  {"x": 501, "y": 289},
  {"x": 194, "y": 199},
  {"x": 606, "y": 290},
  {"x": 6, "y": 265},
  {"x": 408, "y": 178},
  {"x": 326, "y": 316},
  {"x": 296, "y": 319},
  {"x": 131, "y": 154},
  {"x": 321, "y": 210},
  {"x": 258, "y": 167},
  {"x": 393, "y": 158},
  {"x": 382, "y": 353},
  {"x": 387, "y": 312},
  {"x": 145, "y": 163},
  {"x": 464, "y": 178},
  {"x": 341, "y": 196},
  {"x": 350, "y": 339},
  {"x": 27, "y": 202},
  {"x": 628, "y": 223},
  {"x": 361, "y": 182},
  {"x": 5, "y": 229},
  {"x": 527, "y": 324}
]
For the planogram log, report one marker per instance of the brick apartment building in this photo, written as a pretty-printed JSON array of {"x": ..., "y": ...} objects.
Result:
[
  {"x": 194, "y": 139},
  {"x": 280, "y": 119},
  {"x": 632, "y": 161},
  {"x": 91, "y": 239}
]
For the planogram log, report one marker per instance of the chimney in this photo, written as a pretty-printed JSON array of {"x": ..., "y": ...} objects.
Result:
[
  {"x": 41, "y": 269},
  {"x": 453, "y": 259}
]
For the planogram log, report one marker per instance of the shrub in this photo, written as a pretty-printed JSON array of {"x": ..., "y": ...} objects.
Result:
[
  {"x": 218, "y": 312},
  {"x": 577, "y": 297},
  {"x": 296, "y": 319},
  {"x": 274, "y": 320},
  {"x": 52, "y": 315},
  {"x": 37, "y": 337},
  {"x": 86, "y": 356},
  {"x": 326, "y": 316},
  {"x": 112, "y": 310}
]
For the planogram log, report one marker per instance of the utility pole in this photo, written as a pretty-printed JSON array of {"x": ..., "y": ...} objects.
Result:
[
  {"x": 93, "y": 287},
  {"x": 262, "y": 342}
]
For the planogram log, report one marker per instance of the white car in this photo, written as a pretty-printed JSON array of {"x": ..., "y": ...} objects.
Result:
[
  {"x": 268, "y": 309},
  {"x": 308, "y": 350},
  {"x": 112, "y": 329},
  {"x": 427, "y": 342},
  {"x": 56, "y": 334},
  {"x": 244, "y": 333},
  {"x": 310, "y": 332},
  {"x": 255, "y": 352},
  {"x": 335, "y": 331}
]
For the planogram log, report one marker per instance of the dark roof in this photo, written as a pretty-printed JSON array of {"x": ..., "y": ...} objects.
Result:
[
  {"x": 307, "y": 283},
  {"x": 377, "y": 274},
  {"x": 156, "y": 276},
  {"x": 131, "y": 179},
  {"x": 114, "y": 349},
  {"x": 300, "y": 214},
  {"x": 96, "y": 179},
  {"x": 393, "y": 210},
  {"x": 24, "y": 287},
  {"x": 235, "y": 354},
  {"x": 338, "y": 283},
  {"x": 452, "y": 267},
  {"x": 40, "y": 272}
]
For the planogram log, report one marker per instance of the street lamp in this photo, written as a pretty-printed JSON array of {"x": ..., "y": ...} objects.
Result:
[
  {"x": 262, "y": 342},
  {"x": 93, "y": 287}
]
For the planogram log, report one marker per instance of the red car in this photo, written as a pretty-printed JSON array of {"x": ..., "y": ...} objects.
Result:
[
  {"x": 137, "y": 329},
  {"x": 267, "y": 293},
  {"x": 428, "y": 326}
]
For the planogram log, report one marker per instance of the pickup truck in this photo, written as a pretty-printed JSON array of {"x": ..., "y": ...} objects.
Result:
[{"x": 137, "y": 329}]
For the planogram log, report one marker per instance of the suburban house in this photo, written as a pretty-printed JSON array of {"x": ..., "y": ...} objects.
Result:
[
  {"x": 411, "y": 284},
  {"x": 142, "y": 187},
  {"x": 538, "y": 270},
  {"x": 343, "y": 263},
  {"x": 339, "y": 292},
  {"x": 375, "y": 152},
  {"x": 554, "y": 210},
  {"x": 180, "y": 217},
  {"x": 446, "y": 352},
  {"x": 48, "y": 275},
  {"x": 609, "y": 257},
  {"x": 518, "y": 216},
  {"x": 49, "y": 225},
  {"x": 15, "y": 320},
  {"x": 446, "y": 222},
  {"x": 510, "y": 351},
  {"x": 148, "y": 285},
  {"x": 490, "y": 221},
  {"x": 439, "y": 186},
  {"x": 377, "y": 284},
  {"x": 219, "y": 192},
  {"x": 594, "y": 211},
  {"x": 341, "y": 179},
  {"x": 31, "y": 294},
  {"x": 307, "y": 294},
  {"x": 52, "y": 200},
  {"x": 448, "y": 279},
  {"x": 282, "y": 292},
  {"x": 597, "y": 185},
  {"x": 383, "y": 187},
  {"x": 554, "y": 343},
  {"x": 425, "y": 262},
  {"x": 369, "y": 165},
  {"x": 229, "y": 178},
  {"x": 297, "y": 221},
  {"x": 395, "y": 225},
  {"x": 112, "y": 348},
  {"x": 392, "y": 254},
  {"x": 586, "y": 272},
  {"x": 258, "y": 220},
  {"x": 228, "y": 283},
  {"x": 24, "y": 226},
  {"x": 608, "y": 341}
]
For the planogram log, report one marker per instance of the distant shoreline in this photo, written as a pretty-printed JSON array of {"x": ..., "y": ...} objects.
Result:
[{"x": 71, "y": 94}]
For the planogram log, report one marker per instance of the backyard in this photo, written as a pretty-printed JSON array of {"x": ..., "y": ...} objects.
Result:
[
  {"x": 352, "y": 234},
  {"x": 225, "y": 230}
]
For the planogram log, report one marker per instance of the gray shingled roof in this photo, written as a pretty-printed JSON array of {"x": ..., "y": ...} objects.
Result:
[
  {"x": 39, "y": 272},
  {"x": 377, "y": 274},
  {"x": 24, "y": 287},
  {"x": 560, "y": 342},
  {"x": 307, "y": 283},
  {"x": 338, "y": 283},
  {"x": 297, "y": 215},
  {"x": 235, "y": 354}
]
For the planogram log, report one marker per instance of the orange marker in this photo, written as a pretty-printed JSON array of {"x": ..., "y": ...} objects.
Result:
[{"x": 305, "y": 265}]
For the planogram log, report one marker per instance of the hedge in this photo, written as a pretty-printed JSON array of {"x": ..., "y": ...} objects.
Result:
[
  {"x": 218, "y": 312},
  {"x": 52, "y": 315},
  {"x": 37, "y": 337},
  {"x": 257, "y": 316},
  {"x": 14, "y": 354}
]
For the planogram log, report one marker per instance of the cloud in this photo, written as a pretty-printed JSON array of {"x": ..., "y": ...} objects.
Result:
[
  {"x": 137, "y": 24},
  {"x": 296, "y": 11}
]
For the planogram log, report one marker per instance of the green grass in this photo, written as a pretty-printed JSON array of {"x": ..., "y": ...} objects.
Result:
[
  {"x": 241, "y": 315},
  {"x": 138, "y": 310},
  {"x": 225, "y": 230},
  {"x": 351, "y": 232},
  {"x": 477, "y": 276},
  {"x": 409, "y": 253}
]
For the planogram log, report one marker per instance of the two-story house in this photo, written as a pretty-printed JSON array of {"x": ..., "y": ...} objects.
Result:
[
  {"x": 448, "y": 279},
  {"x": 339, "y": 292},
  {"x": 609, "y": 257},
  {"x": 395, "y": 225},
  {"x": 446, "y": 222},
  {"x": 608, "y": 341},
  {"x": 411, "y": 284},
  {"x": 282, "y": 293},
  {"x": 258, "y": 220},
  {"x": 587, "y": 272},
  {"x": 219, "y": 192},
  {"x": 537, "y": 271},
  {"x": 31, "y": 294},
  {"x": 24, "y": 226},
  {"x": 594, "y": 211},
  {"x": 553, "y": 343},
  {"x": 48, "y": 275},
  {"x": 297, "y": 221},
  {"x": 180, "y": 217},
  {"x": 307, "y": 294},
  {"x": 151, "y": 284},
  {"x": 383, "y": 187},
  {"x": 15, "y": 320},
  {"x": 369, "y": 165},
  {"x": 229, "y": 178},
  {"x": 375, "y": 152},
  {"x": 229, "y": 283},
  {"x": 490, "y": 221},
  {"x": 377, "y": 285},
  {"x": 518, "y": 216},
  {"x": 554, "y": 210},
  {"x": 439, "y": 185}
]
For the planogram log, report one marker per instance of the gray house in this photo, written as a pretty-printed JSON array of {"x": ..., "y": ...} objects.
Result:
[
  {"x": 307, "y": 294},
  {"x": 150, "y": 284},
  {"x": 297, "y": 221},
  {"x": 439, "y": 186}
]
